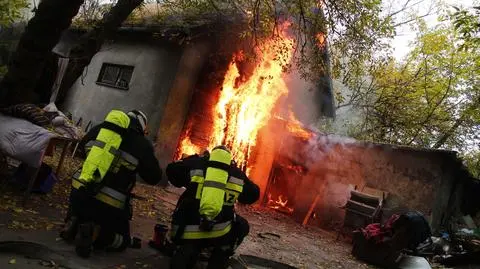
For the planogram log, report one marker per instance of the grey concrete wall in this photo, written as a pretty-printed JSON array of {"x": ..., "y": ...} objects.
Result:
[{"x": 154, "y": 71}]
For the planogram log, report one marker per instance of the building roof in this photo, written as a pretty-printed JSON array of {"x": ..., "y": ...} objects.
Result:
[
  {"x": 317, "y": 134},
  {"x": 456, "y": 161}
]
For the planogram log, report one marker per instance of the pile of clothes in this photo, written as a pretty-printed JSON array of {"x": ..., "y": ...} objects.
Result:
[{"x": 379, "y": 233}]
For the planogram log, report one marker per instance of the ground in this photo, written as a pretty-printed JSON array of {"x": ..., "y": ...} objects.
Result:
[{"x": 273, "y": 235}]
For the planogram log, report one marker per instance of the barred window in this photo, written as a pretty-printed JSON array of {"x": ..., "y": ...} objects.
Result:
[{"x": 115, "y": 75}]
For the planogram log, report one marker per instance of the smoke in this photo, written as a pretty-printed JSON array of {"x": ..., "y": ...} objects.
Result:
[
  {"x": 347, "y": 116},
  {"x": 303, "y": 99},
  {"x": 325, "y": 159},
  {"x": 321, "y": 148}
]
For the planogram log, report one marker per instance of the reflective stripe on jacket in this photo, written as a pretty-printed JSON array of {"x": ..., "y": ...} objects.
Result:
[
  {"x": 194, "y": 231},
  {"x": 105, "y": 194}
]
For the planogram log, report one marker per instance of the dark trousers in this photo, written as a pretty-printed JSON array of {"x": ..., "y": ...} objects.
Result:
[
  {"x": 188, "y": 251},
  {"x": 114, "y": 224}
]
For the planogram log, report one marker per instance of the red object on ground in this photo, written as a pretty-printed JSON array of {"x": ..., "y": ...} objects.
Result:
[
  {"x": 159, "y": 234},
  {"x": 389, "y": 224},
  {"x": 377, "y": 232}
]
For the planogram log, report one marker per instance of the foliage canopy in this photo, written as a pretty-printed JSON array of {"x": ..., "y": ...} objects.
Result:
[
  {"x": 430, "y": 99},
  {"x": 11, "y": 10}
]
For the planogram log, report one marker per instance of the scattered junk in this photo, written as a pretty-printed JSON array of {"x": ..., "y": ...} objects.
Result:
[
  {"x": 405, "y": 241},
  {"x": 454, "y": 248},
  {"x": 383, "y": 245}
]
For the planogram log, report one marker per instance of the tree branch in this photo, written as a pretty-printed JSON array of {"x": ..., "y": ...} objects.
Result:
[{"x": 459, "y": 121}]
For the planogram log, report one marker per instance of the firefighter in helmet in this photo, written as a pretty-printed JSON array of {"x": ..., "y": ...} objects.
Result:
[
  {"x": 205, "y": 214},
  {"x": 100, "y": 211}
]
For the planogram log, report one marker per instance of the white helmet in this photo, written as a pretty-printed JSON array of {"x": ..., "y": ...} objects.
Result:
[{"x": 140, "y": 116}]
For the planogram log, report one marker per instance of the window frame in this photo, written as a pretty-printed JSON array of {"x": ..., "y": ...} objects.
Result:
[{"x": 115, "y": 85}]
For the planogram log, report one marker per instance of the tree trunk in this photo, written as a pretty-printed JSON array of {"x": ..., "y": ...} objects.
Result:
[
  {"x": 91, "y": 42},
  {"x": 41, "y": 34}
]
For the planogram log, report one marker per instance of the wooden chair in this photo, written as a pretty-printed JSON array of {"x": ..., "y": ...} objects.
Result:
[{"x": 360, "y": 210}]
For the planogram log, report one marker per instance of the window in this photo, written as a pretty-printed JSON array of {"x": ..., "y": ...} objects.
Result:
[{"x": 116, "y": 76}]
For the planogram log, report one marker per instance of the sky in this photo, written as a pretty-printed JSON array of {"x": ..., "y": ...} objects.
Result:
[{"x": 405, "y": 35}]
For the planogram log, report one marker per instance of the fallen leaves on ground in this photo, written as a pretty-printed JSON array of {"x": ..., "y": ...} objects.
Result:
[
  {"x": 43, "y": 211},
  {"x": 154, "y": 206}
]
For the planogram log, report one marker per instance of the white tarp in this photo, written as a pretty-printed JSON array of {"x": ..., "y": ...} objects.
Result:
[
  {"x": 23, "y": 140},
  {"x": 62, "y": 67}
]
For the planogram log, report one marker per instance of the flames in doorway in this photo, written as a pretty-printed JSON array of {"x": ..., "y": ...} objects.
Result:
[{"x": 246, "y": 104}]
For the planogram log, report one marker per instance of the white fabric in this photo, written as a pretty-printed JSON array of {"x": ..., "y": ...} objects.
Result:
[
  {"x": 62, "y": 67},
  {"x": 23, "y": 140},
  {"x": 62, "y": 125}
]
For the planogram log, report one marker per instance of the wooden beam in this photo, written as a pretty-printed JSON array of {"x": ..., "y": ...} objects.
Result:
[
  {"x": 66, "y": 145},
  {"x": 310, "y": 211}
]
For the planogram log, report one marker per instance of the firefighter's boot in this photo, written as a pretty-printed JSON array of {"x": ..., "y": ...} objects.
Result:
[{"x": 84, "y": 240}]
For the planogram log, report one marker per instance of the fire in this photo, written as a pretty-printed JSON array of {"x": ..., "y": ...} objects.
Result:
[
  {"x": 188, "y": 148},
  {"x": 279, "y": 204},
  {"x": 297, "y": 168},
  {"x": 245, "y": 105},
  {"x": 320, "y": 37},
  {"x": 296, "y": 128}
]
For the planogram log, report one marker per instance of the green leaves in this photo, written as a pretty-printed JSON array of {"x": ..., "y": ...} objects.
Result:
[
  {"x": 11, "y": 10},
  {"x": 467, "y": 24}
]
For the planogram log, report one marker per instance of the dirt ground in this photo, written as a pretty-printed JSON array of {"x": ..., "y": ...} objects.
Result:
[{"x": 273, "y": 235}]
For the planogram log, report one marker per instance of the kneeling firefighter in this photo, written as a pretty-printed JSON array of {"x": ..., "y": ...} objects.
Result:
[
  {"x": 100, "y": 211},
  {"x": 205, "y": 214}
]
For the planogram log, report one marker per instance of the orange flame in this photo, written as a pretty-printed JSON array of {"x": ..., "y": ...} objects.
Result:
[
  {"x": 279, "y": 204},
  {"x": 320, "y": 37},
  {"x": 295, "y": 127},
  {"x": 244, "y": 107},
  {"x": 188, "y": 148},
  {"x": 298, "y": 169}
]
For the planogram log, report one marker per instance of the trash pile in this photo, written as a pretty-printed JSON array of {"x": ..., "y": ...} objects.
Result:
[
  {"x": 408, "y": 234},
  {"x": 453, "y": 247}
]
